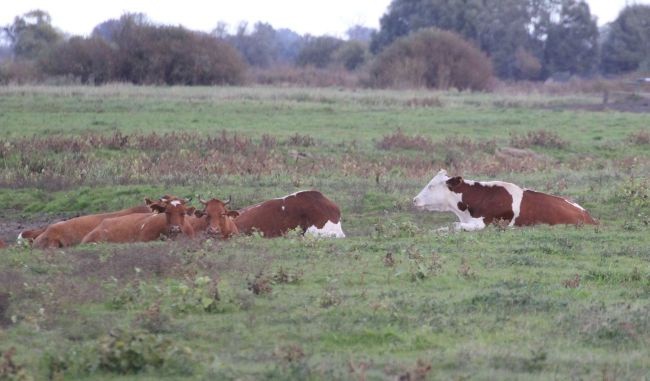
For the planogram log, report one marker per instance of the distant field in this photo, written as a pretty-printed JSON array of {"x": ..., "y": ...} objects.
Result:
[{"x": 533, "y": 303}]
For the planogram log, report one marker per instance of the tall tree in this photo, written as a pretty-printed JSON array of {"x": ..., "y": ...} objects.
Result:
[
  {"x": 31, "y": 34},
  {"x": 572, "y": 43},
  {"x": 627, "y": 44}
]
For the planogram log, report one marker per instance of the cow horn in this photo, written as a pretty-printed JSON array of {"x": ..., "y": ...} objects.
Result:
[
  {"x": 229, "y": 199},
  {"x": 202, "y": 201},
  {"x": 188, "y": 200}
]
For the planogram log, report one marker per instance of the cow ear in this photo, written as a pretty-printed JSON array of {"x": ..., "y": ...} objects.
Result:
[
  {"x": 156, "y": 207},
  {"x": 191, "y": 210},
  {"x": 232, "y": 213},
  {"x": 199, "y": 213},
  {"x": 147, "y": 201},
  {"x": 454, "y": 182}
]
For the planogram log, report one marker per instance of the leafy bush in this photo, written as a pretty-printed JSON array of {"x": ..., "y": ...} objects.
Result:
[{"x": 432, "y": 58}]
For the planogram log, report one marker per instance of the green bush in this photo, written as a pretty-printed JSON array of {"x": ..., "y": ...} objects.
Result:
[{"x": 432, "y": 58}]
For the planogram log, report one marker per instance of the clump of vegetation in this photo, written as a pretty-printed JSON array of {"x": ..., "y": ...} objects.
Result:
[
  {"x": 399, "y": 140},
  {"x": 640, "y": 137},
  {"x": 283, "y": 276},
  {"x": 133, "y": 352},
  {"x": 432, "y": 58},
  {"x": 198, "y": 294},
  {"x": 9, "y": 370},
  {"x": 538, "y": 138},
  {"x": 260, "y": 284},
  {"x": 465, "y": 270}
]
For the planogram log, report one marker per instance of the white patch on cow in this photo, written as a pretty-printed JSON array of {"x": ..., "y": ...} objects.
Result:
[
  {"x": 142, "y": 227},
  {"x": 290, "y": 195},
  {"x": 20, "y": 240},
  {"x": 283, "y": 207},
  {"x": 175, "y": 203},
  {"x": 574, "y": 204},
  {"x": 330, "y": 229}
]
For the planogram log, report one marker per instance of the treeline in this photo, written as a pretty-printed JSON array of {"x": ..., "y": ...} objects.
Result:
[{"x": 420, "y": 43}]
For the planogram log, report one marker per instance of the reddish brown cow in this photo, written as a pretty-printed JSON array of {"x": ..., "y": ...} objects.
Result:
[
  {"x": 168, "y": 219},
  {"x": 478, "y": 203},
  {"x": 72, "y": 231},
  {"x": 30, "y": 235},
  {"x": 218, "y": 219},
  {"x": 309, "y": 210},
  {"x": 2, "y": 244}
]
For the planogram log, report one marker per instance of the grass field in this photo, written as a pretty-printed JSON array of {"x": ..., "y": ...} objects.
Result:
[{"x": 396, "y": 298}]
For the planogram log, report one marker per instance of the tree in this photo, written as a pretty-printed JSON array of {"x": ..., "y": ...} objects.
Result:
[
  {"x": 627, "y": 44},
  {"x": 572, "y": 43},
  {"x": 432, "y": 58},
  {"x": 360, "y": 33},
  {"x": 351, "y": 54},
  {"x": 91, "y": 60},
  {"x": 32, "y": 34},
  {"x": 318, "y": 51},
  {"x": 260, "y": 48}
]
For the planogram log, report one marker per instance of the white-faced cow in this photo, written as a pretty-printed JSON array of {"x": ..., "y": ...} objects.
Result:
[
  {"x": 215, "y": 218},
  {"x": 310, "y": 210},
  {"x": 72, "y": 231},
  {"x": 167, "y": 219},
  {"x": 479, "y": 203}
]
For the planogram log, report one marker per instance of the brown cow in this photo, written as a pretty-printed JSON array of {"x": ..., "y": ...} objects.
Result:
[
  {"x": 478, "y": 203},
  {"x": 310, "y": 210},
  {"x": 217, "y": 218},
  {"x": 2, "y": 244},
  {"x": 72, "y": 231},
  {"x": 30, "y": 235},
  {"x": 168, "y": 219}
]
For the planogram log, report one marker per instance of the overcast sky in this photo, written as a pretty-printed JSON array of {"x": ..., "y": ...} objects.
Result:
[{"x": 331, "y": 17}]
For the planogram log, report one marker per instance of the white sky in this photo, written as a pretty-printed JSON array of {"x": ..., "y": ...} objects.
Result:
[{"x": 317, "y": 17}]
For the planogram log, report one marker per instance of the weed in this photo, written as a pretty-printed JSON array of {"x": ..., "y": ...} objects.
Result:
[
  {"x": 639, "y": 138},
  {"x": 9, "y": 370},
  {"x": 538, "y": 138},
  {"x": 330, "y": 297},
  {"x": 153, "y": 320},
  {"x": 572, "y": 282},
  {"x": 261, "y": 284},
  {"x": 133, "y": 352},
  {"x": 465, "y": 270},
  {"x": 283, "y": 276}
]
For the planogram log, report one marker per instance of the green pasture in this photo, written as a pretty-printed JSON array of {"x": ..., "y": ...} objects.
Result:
[{"x": 399, "y": 297}]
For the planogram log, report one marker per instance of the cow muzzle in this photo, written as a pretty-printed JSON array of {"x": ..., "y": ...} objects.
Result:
[
  {"x": 174, "y": 230},
  {"x": 212, "y": 231}
]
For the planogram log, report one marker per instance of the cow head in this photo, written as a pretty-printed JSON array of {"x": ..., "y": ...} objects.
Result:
[
  {"x": 438, "y": 194},
  {"x": 175, "y": 210},
  {"x": 218, "y": 216}
]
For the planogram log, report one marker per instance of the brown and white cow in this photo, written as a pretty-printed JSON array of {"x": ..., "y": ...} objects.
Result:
[
  {"x": 30, "y": 235},
  {"x": 479, "y": 203},
  {"x": 72, "y": 231},
  {"x": 215, "y": 218},
  {"x": 167, "y": 219},
  {"x": 310, "y": 210}
]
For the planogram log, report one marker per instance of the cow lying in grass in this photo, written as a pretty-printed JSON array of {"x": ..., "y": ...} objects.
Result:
[
  {"x": 310, "y": 210},
  {"x": 166, "y": 218},
  {"x": 72, "y": 231},
  {"x": 479, "y": 203},
  {"x": 215, "y": 218}
]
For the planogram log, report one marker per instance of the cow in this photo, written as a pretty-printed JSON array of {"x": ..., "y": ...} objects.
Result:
[
  {"x": 311, "y": 211},
  {"x": 2, "y": 244},
  {"x": 166, "y": 217},
  {"x": 479, "y": 203},
  {"x": 72, "y": 231},
  {"x": 217, "y": 219},
  {"x": 30, "y": 235}
]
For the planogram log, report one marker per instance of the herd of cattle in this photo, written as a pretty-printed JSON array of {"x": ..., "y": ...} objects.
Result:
[{"x": 475, "y": 203}]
